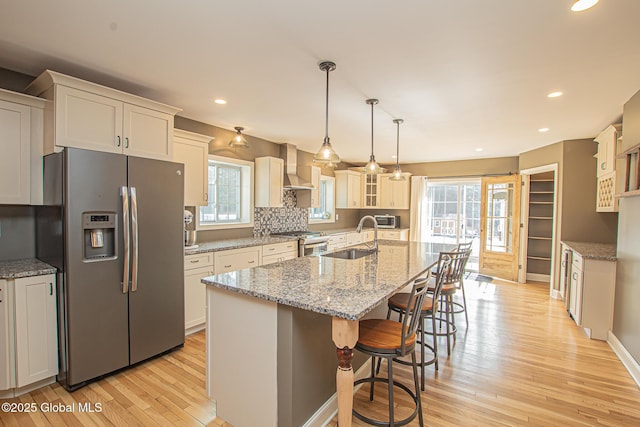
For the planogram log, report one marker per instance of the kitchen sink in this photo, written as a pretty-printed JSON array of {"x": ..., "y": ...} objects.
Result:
[{"x": 350, "y": 253}]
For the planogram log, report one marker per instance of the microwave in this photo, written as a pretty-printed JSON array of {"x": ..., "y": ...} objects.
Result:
[{"x": 387, "y": 221}]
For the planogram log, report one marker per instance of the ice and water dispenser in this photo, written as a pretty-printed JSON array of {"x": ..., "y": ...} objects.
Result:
[{"x": 99, "y": 232}]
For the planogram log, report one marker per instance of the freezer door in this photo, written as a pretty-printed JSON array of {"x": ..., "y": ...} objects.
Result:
[
  {"x": 156, "y": 296},
  {"x": 95, "y": 308}
]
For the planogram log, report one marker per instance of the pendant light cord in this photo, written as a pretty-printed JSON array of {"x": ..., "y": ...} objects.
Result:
[
  {"x": 326, "y": 121},
  {"x": 398, "y": 145},
  {"x": 372, "y": 129}
]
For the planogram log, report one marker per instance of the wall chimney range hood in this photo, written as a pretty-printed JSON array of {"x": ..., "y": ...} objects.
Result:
[{"x": 291, "y": 179}]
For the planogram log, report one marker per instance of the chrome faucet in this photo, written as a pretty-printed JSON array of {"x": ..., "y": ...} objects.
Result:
[{"x": 375, "y": 231}]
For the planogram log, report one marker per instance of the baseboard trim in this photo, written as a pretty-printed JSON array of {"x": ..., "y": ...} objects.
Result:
[
  {"x": 329, "y": 409},
  {"x": 625, "y": 357},
  {"x": 535, "y": 277},
  {"x": 193, "y": 329}
]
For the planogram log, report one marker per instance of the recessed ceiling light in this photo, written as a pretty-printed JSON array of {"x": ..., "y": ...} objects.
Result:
[
  {"x": 220, "y": 101},
  {"x": 554, "y": 94},
  {"x": 543, "y": 130},
  {"x": 581, "y": 5},
  {"x": 479, "y": 149}
]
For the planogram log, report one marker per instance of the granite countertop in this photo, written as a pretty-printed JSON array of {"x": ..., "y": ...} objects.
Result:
[
  {"x": 588, "y": 250},
  {"x": 337, "y": 287},
  {"x": 223, "y": 245},
  {"x": 352, "y": 229},
  {"x": 16, "y": 269}
]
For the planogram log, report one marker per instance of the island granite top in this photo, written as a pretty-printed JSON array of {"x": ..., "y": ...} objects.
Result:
[
  {"x": 16, "y": 269},
  {"x": 337, "y": 287},
  {"x": 223, "y": 245},
  {"x": 588, "y": 250}
]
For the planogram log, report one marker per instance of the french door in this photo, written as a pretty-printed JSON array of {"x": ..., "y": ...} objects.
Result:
[{"x": 499, "y": 229}]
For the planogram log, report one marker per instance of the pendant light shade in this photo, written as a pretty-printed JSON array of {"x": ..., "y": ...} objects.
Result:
[
  {"x": 327, "y": 156},
  {"x": 238, "y": 141},
  {"x": 372, "y": 167},
  {"x": 397, "y": 172}
]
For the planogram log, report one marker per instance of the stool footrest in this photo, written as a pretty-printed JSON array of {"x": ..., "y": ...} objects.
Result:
[{"x": 386, "y": 423}]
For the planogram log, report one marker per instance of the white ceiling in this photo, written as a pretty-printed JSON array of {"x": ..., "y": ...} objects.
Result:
[{"x": 463, "y": 74}]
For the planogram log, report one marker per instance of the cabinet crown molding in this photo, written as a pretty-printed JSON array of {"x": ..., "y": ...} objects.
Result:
[{"x": 49, "y": 78}]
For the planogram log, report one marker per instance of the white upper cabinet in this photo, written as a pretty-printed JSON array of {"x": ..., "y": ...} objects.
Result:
[
  {"x": 94, "y": 117},
  {"x": 609, "y": 182},
  {"x": 21, "y": 139},
  {"x": 348, "y": 189},
  {"x": 371, "y": 191},
  {"x": 192, "y": 150},
  {"x": 394, "y": 194},
  {"x": 269, "y": 182}
]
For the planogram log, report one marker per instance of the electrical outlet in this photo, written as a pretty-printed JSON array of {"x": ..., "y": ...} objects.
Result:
[{"x": 337, "y": 217}]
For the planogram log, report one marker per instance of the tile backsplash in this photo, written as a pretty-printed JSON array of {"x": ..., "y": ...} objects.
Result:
[{"x": 278, "y": 220}]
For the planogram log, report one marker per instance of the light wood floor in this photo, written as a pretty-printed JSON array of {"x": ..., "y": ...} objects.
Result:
[{"x": 521, "y": 362}]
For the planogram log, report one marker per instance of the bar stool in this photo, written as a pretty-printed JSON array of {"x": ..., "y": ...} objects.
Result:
[
  {"x": 399, "y": 302},
  {"x": 452, "y": 281},
  {"x": 460, "y": 307},
  {"x": 388, "y": 339}
]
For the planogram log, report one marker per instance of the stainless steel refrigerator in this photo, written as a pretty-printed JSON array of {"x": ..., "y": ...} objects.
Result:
[{"x": 113, "y": 226}]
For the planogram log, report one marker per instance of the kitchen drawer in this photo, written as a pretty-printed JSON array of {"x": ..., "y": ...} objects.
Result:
[
  {"x": 338, "y": 239},
  {"x": 279, "y": 248},
  {"x": 198, "y": 261},
  {"x": 236, "y": 259},
  {"x": 577, "y": 261},
  {"x": 270, "y": 259}
]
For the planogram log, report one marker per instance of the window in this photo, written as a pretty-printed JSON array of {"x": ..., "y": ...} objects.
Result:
[
  {"x": 326, "y": 211},
  {"x": 230, "y": 194}
]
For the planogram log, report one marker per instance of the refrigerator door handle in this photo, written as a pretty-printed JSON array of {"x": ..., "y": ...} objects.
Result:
[
  {"x": 134, "y": 239},
  {"x": 124, "y": 192}
]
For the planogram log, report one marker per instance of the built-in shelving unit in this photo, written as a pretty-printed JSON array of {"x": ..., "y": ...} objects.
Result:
[
  {"x": 540, "y": 226},
  {"x": 632, "y": 171}
]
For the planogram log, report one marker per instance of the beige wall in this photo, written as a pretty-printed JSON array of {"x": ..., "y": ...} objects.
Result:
[
  {"x": 459, "y": 168},
  {"x": 626, "y": 315}
]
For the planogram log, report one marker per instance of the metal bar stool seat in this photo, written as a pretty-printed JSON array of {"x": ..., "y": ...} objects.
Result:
[
  {"x": 399, "y": 303},
  {"x": 390, "y": 339},
  {"x": 453, "y": 279}
]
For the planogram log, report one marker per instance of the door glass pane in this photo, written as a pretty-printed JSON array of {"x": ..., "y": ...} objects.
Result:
[
  {"x": 499, "y": 237},
  {"x": 452, "y": 214}
]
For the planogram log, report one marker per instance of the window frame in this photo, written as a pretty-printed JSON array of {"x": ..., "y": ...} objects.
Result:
[
  {"x": 246, "y": 194},
  {"x": 329, "y": 201}
]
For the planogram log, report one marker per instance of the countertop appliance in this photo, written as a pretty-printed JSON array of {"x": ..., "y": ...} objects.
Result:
[
  {"x": 387, "y": 221},
  {"x": 113, "y": 226},
  {"x": 309, "y": 242}
]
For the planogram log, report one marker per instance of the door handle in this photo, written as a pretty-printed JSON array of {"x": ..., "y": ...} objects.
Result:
[
  {"x": 134, "y": 239},
  {"x": 118, "y": 143},
  {"x": 124, "y": 191},
  {"x": 126, "y": 142},
  {"x": 50, "y": 288}
]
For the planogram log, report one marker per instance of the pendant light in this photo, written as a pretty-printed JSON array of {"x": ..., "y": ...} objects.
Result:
[
  {"x": 327, "y": 156},
  {"x": 238, "y": 140},
  {"x": 372, "y": 168},
  {"x": 397, "y": 172}
]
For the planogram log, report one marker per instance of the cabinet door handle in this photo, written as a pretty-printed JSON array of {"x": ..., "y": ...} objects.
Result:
[
  {"x": 575, "y": 276},
  {"x": 118, "y": 140},
  {"x": 227, "y": 266},
  {"x": 603, "y": 165},
  {"x": 50, "y": 288},
  {"x": 126, "y": 142},
  {"x": 251, "y": 262},
  {"x": 194, "y": 261},
  {"x": 206, "y": 197}
]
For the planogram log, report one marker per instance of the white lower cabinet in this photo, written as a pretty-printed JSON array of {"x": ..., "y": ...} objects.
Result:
[
  {"x": 397, "y": 234},
  {"x": 236, "y": 259},
  {"x": 195, "y": 268},
  {"x": 28, "y": 333},
  {"x": 278, "y": 252},
  {"x": 592, "y": 295}
]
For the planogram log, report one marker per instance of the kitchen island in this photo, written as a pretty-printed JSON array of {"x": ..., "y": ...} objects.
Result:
[{"x": 261, "y": 321}]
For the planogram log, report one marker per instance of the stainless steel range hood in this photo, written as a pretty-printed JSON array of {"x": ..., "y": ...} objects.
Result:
[{"x": 291, "y": 179}]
